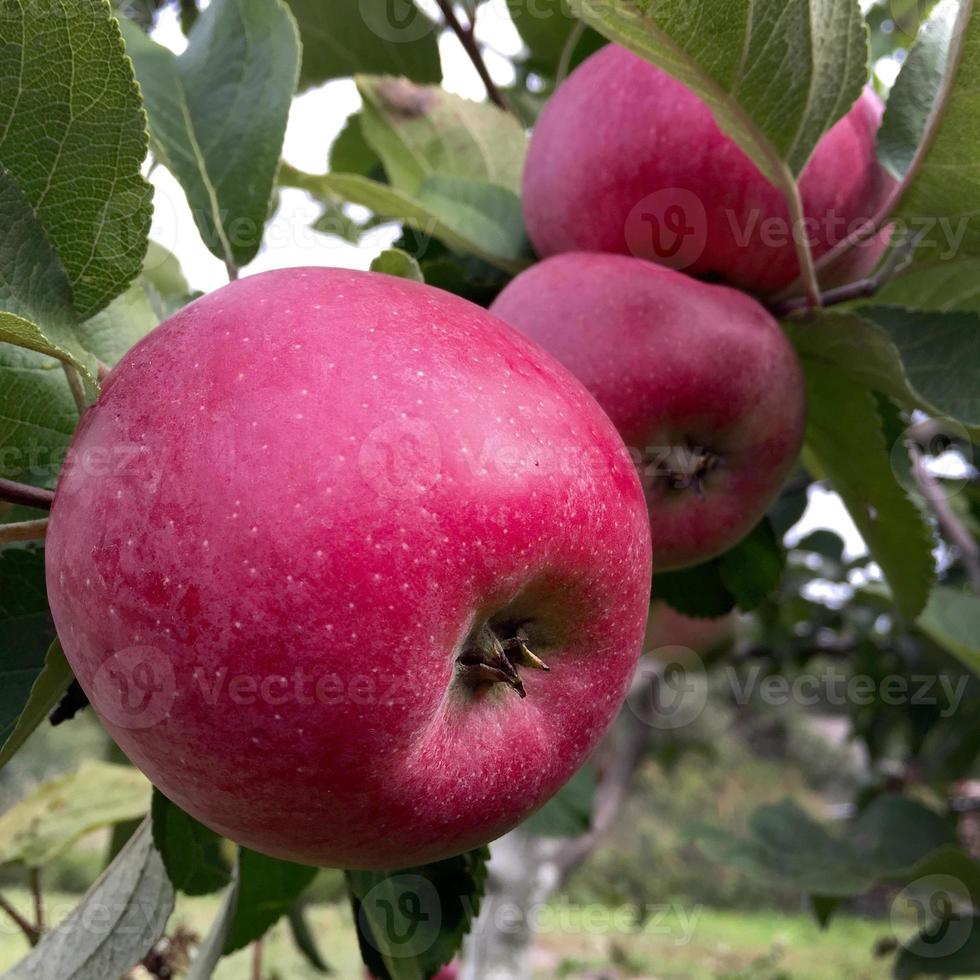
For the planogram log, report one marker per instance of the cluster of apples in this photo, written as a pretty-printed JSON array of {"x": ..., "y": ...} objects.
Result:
[{"x": 357, "y": 573}]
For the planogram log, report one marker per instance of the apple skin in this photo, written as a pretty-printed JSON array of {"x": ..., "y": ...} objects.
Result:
[
  {"x": 324, "y": 474},
  {"x": 619, "y": 130},
  {"x": 676, "y": 364}
]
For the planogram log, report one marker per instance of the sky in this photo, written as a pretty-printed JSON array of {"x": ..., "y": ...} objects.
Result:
[{"x": 315, "y": 119}]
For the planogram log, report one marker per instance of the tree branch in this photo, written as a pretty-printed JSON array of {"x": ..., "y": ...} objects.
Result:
[
  {"x": 38, "y": 897},
  {"x": 23, "y": 531},
  {"x": 25, "y": 495},
  {"x": 897, "y": 262},
  {"x": 953, "y": 529},
  {"x": 30, "y": 931},
  {"x": 467, "y": 38}
]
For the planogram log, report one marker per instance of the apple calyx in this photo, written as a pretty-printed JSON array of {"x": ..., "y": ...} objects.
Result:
[
  {"x": 490, "y": 659},
  {"x": 686, "y": 468}
]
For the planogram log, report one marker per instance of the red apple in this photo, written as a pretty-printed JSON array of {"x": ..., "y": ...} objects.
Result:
[
  {"x": 671, "y": 633},
  {"x": 626, "y": 159},
  {"x": 699, "y": 379},
  {"x": 449, "y": 972},
  {"x": 308, "y": 546}
]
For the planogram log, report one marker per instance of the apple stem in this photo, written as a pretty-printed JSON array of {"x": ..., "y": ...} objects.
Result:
[
  {"x": 686, "y": 469},
  {"x": 490, "y": 660},
  {"x": 23, "y": 531}
]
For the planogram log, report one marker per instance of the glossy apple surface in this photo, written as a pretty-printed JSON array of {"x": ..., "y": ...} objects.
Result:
[
  {"x": 280, "y": 532},
  {"x": 699, "y": 379},
  {"x": 626, "y": 159}
]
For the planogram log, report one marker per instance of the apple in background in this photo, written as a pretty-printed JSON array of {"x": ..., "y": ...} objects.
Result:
[
  {"x": 700, "y": 380},
  {"x": 449, "y": 972},
  {"x": 670, "y": 632},
  {"x": 626, "y": 159},
  {"x": 311, "y": 542}
]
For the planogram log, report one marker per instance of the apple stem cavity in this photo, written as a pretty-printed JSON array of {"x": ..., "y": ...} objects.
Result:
[
  {"x": 687, "y": 468},
  {"x": 489, "y": 659}
]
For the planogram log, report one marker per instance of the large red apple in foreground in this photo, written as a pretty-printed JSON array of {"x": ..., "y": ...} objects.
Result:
[
  {"x": 699, "y": 379},
  {"x": 626, "y": 159},
  {"x": 309, "y": 545}
]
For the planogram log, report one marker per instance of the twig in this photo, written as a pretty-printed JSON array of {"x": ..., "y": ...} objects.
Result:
[
  {"x": 23, "y": 531},
  {"x": 25, "y": 927},
  {"x": 896, "y": 263},
  {"x": 231, "y": 269},
  {"x": 38, "y": 897},
  {"x": 257, "y": 960},
  {"x": 25, "y": 495},
  {"x": 467, "y": 38},
  {"x": 75, "y": 384},
  {"x": 951, "y": 526}
]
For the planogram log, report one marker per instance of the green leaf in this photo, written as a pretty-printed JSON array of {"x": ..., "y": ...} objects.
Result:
[
  {"x": 343, "y": 37},
  {"x": 787, "y": 847},
  {"x": 37, "y": 416},
  {"x": 190, "y": 851},
  {"x": 569, "y": 812},
  {"x": 454, "y": 166},
  {"x": 777, "y": 74},
  {"x": 952, "y": 619},
  {"x": 468, "y": 215},
  {"x": 34, "y": 289},
  {"x": 935, "y": 286},
  {"x": 268, "y": 889},
  {"x": 305, "y": 940},
  {"x": 73, "y": 137},
  {"x": 395, "y": 262},
  {"x": 127, "y": 319},
  {"x": 411, "y": 923},
  {"x": 829, "y": 544},
  {"x": 218, "y": 115},
  {"x": 940, "y": 199},
  {"x": 422, "y": 131},
  {"x": 914, "y": 94},
  {"x": 922, "y": 360},
  {"x": 546, "y": 27},
  {"x": 699, "y": 591},
  {"x": 753, "y": 569},
  {"x": 940, "y": 353},
  {"x": 116, "y": 924},
  {"x": 845, "y": 444},
  {"x": 46, "y": 691},
  {"x": 745, "y": 576},
  {"x": 350, "y": 152},
  {"x": 42, "y": 826},
  {"x": 213, "y": 947},
  {"x": 26, "y": 631},
  {"x": 162, "y": 271}
]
